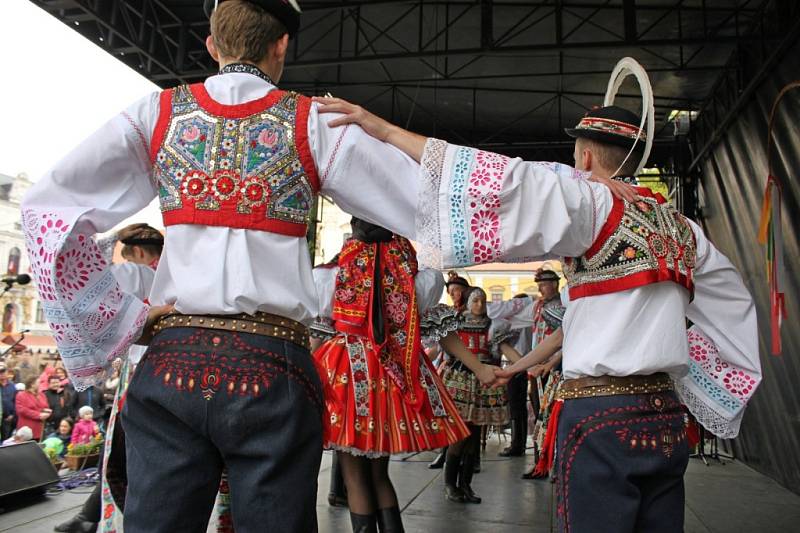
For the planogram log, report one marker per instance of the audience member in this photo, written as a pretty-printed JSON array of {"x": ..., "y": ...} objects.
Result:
[
  {"x": 60, "y": 402},
  {"x": 8, "y": 395},
  {"x": 32, "y": 408},
  {"x": 86, "y": 427},
  {"x": 23, "y": 434}
]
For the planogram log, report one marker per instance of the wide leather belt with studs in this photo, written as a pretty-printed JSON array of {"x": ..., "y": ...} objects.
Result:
[
  {"x": 259, "y": 324},
  {"x": 592, "y": 387}
]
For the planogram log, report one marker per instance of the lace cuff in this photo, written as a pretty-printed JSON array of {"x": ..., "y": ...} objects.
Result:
[{"x": 715, "y": 390}]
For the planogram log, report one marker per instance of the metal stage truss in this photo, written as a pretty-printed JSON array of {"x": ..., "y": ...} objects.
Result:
[{"x": 502, "y": 75}]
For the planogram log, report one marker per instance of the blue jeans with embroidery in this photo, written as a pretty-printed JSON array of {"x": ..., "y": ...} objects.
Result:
[
  {"x": 620, "y": 464},
  {"x": 202, "y": 399}
]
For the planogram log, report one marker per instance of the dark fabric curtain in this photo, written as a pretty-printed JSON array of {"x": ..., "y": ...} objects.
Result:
[{"x": 730, "y": 194}]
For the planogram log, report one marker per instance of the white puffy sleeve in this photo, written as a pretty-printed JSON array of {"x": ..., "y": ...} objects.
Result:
[
  {"x": 134, "y": 279},
  {"x": 481, "y": 207},
  {"x": 517, "y": 312},
  {"x": 429, "y": 285},
  {"x": 325, "y": 282},
  {"x": 724, "y": 365},
  {"x": 106, "y": 179},
  {"x": 367, "y": 178}
]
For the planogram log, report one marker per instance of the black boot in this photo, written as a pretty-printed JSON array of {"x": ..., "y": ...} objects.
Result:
[
  {"x": 452, "y": 466},
  {"x": 77, "y": 524},
  {"x": 337, "y": 493},
  {"x": 465, "y": 478},
  {"x": 518, "y": 436},
  {"x": 439, "y": 461},
  {"x": 389, "y": 520},
  {"x": 363, "y": 523}
]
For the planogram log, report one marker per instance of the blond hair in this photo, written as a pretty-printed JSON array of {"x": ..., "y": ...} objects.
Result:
[
  {"x": 610, "y": 156},
  {"x": 242, "y": 31}
]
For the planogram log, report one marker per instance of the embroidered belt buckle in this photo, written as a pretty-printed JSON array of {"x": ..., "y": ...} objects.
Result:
[
  {"x": 592, "y": 387},
  {"x": 265, "y": 324}
]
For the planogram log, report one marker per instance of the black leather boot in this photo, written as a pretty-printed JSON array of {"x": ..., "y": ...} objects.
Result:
[
  {"x": 77, "y": 524},
  {"x": 363, "y": 523},
  {"x": 452, "y": 466},
  {"x": 465, "y": 478},
  {"x": 389, "y": 520},
  {"x": 439, "y": 461}
]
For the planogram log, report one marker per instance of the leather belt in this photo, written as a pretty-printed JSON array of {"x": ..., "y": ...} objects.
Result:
[
  {"x": 265, "y": 324},
  {"x": 591, "y": 387}
]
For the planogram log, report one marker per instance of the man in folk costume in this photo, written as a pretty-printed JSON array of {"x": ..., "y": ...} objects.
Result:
[
  {"x": 228, "y": 379},
  {"x": 636, "y": 269},
  {"x": 543, "y": 316}
]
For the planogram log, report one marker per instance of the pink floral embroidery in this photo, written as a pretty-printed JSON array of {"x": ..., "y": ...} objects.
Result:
[
  {"x": 485, "y": 225},
  {"x": 44, "y": 235},
  {"x": 75, "y": 265},
  {"x": 191, "y": 133},
  {"x": 267, "y": 138},
  {"x": 739, "y": 383},
  {"x": 483, "y": 189}
]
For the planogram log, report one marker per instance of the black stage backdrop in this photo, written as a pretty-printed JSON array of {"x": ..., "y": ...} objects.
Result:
[{"x": 734, "y": 176}]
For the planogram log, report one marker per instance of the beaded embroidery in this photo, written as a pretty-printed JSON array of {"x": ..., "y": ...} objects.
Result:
[
  {"x": 643, "y": 242},
  {"x": 244, "y": 166}
]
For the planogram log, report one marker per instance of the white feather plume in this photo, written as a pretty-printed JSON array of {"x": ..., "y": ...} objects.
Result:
[{"x": 627, "y": 66}]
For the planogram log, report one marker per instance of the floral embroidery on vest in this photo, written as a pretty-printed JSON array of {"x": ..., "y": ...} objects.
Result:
[
  {"x": 643, "y": 242},
  {"x": 221, "y": 166}
]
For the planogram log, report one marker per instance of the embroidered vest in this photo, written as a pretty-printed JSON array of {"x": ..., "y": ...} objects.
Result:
[
  {"x": 243, "y": 166},
  {"x": 641, "y": 243},
  {"x": 476, "y": 338}
]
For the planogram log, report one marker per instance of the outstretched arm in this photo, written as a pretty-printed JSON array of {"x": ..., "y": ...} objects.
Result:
[
  {"x": 454, "y": 346},
  {"x": 540, "y": 354}
]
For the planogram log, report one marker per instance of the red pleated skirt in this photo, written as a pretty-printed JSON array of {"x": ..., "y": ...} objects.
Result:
[{"x": 367, "y": 413}]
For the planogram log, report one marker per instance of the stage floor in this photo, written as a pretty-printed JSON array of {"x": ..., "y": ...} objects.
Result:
[{"x": 720, "y": 498}]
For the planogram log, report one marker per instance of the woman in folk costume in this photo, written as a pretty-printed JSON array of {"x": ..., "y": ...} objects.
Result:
[
  {"x": 382, "y": 395},
  {"x": 478, "y": 404}
]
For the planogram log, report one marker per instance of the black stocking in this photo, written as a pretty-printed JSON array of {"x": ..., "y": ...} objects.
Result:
[
  {"x": 385, "y": 496},
  {"x": 363, "y": 496}
]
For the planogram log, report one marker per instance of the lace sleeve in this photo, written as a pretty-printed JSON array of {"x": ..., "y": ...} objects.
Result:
[{"x": 439, "y": 321}]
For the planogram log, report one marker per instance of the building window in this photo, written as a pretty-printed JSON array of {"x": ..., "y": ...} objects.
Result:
[
  {"x": 496, "y": 294},
  {"x": 39, "y": 313}
]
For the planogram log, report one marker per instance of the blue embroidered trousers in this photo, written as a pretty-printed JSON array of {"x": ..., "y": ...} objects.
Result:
[
  {"x": 204, "y": 399},
  {"x": 620, "y": 464}
]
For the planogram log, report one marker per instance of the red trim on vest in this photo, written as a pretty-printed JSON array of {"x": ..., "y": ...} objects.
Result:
[
  {"x": 301, "y": 141},
  {"x": 608, "y": 229},
  {"x": 164, "y": 117},
  {"x": 244, "y": 110},
  {"x": 230, "y": 218},
  {"x": 632, "y": 281}
]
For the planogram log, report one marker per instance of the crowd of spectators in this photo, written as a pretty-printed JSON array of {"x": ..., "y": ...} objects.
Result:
[{"x": 37, "y": 402}]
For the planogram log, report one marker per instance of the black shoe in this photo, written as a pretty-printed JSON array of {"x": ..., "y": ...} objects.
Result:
[
  {"x": 337, "y": 501},
  {"x": 512, "y": 452},
  {"x": 477, "y": 468},
  {"x": 454, "y": 494},
  {"x": 469, "y": 494},
  {"x": 438, "y": 462},
  {"x": 77, "y": 524},
  {"x": 389, "y": 520},
  {"x": 363, "y": 523},
  {"x": 465, "y": 478}
]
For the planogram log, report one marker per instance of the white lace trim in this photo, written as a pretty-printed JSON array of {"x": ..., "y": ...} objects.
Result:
[
  {"x": 717, "y": 423},
  {"x": 429, "y": 219},
  {"x": 356, "y": 452}
]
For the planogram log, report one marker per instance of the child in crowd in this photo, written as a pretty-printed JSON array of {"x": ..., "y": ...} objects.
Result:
[{"x": 86, "y": 427}]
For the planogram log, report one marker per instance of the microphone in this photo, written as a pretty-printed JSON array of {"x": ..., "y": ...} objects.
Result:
[{"x": 21, "y": 279}]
